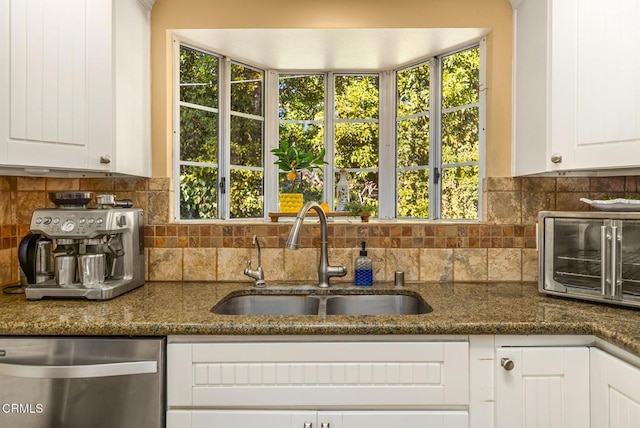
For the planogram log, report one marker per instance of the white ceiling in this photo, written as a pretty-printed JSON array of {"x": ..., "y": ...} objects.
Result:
[{"x": 331, "y": 49}]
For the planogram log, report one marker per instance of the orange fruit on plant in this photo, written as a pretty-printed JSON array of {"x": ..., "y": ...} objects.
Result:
[{"x": 291, "y": 175}]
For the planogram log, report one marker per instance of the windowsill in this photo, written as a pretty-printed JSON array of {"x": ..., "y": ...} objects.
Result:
[{"x": 341, "y": 221}]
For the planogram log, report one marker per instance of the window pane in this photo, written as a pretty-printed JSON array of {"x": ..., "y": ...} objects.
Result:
[
  {"x": 356, "y": 97},
  {"x": 460, "y": 140},
  {"x": 310, "y": 184},
  {"x": 413, "y": 90},
  {"x": 356, "y": 145},
  {"x": 413, "y": 142},
  {"x": 461, "y": 78},
  {"x": 301, "y": 97},
  {"x": 363, "y": 188},
  {"x": 305, "y": 136},
  {"x": 246, "y": 141},
  {"x": 413, "y": 194},
  {"x": 460, "y": 192},
  {"x": 198, "y": 192},
  {"x": 198, "y": 135},
  {"x": 246, "y": 90},
  {"x": 198, "y": 77},
  {"x": 246, "y": 194}
]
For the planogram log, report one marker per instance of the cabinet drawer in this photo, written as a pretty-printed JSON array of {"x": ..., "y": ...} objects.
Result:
[
  {"x": 308, "y": 418},
  {"x": 317, "y": 374}
]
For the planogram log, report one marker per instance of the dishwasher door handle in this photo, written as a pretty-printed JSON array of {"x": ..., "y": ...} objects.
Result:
[{"x": 78, "y": 371}]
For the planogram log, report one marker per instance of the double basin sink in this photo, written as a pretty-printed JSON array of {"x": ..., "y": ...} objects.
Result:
[{"x": 334, "y": 302}]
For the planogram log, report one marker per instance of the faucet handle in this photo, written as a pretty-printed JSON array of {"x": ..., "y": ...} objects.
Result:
[
  {"x": 256, "y": 274},
  {"x": 336, "y": 271}
]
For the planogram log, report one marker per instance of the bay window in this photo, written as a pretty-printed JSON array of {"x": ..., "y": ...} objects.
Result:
[{"x": 410, "y": 139}]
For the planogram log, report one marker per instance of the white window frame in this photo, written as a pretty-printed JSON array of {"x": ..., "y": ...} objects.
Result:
[
  {"x": 435, "y": 134},
  {"x": 386, "y": 133},
  {"x": 223, "y": 166},
  {"x": 481, "y": 45}
]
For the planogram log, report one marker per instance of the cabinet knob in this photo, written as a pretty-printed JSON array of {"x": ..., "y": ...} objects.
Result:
[
  {"x": 507, "y": 364},
  {"x": 105, "y": 159},
  {"x": 308, "y": 425},
  {"x": 556, "y": 158},
  {"x": 325, "y": 425}
]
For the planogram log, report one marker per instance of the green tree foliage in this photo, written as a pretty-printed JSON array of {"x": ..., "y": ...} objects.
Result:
[
  {"x": 246, "y": 145},
  {"x": 199, "y": 138},
  {"x": 412, "y": 133},
  {"x": 357, "y": 134},
  {"x": 460, "y": 134},
  {"x": 198, "y": 134},
  {"x": 301, "y": 113}
]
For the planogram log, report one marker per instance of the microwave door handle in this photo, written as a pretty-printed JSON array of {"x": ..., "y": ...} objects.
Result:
[
  {"x": 604, "y": 237},
  {"x": 78, "y": 371},
  {"x": 614, "y": 261}
]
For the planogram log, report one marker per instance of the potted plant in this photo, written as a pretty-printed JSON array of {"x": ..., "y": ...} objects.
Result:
[
  {"x": 293, "y": 160},
  {"x": 360, "y": 209}
]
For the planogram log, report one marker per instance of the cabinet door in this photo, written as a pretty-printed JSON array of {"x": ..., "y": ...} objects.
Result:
[
  {"x": 530, "y": 117},
  {"x": 595, "y": 84},
  {"x": 615, "y": 392},
  {"x": 545, "y": 387},
  {"x": 58, "y": 86},
  {"x": 576, "y": 85},
  {"x": 312, "y": 419},
  {"x": 387, "y": 419},
  {"x": 241, "y": 419},
  {"x": 74, "y": 86}
]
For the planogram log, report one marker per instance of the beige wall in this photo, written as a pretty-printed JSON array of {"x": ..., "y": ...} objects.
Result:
[{"x": 493, "y": 14}]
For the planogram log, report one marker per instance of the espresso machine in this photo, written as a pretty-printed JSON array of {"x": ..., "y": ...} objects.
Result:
[{"x": 77, "y": 252}]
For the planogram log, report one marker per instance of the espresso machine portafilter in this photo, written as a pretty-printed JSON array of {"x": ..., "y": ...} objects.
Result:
[{"x": 98, "y": 253}]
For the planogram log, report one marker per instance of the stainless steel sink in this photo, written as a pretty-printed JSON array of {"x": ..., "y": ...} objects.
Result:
[
  {"x": 268, "y": 304},
  {"x": 324, "y": 303},
  {"x": 377, "y": 304}
]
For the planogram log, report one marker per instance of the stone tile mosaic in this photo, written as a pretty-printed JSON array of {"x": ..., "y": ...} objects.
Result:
[{"x": 501, "y": 247}]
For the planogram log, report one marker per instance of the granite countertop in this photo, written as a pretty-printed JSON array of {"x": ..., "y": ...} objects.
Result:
[{"x": 183, "y": 308}]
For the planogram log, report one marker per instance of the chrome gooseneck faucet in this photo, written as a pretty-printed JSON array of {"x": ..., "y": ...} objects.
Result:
[
  {"x": 258, "y": 273},
  {"x": 325, "y": 271}
]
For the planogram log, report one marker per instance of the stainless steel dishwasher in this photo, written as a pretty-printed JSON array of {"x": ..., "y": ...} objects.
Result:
[{"x": 82, "y": 382}]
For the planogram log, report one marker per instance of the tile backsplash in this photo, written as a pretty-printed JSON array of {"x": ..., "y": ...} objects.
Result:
[{"x": 499, "y": 248}]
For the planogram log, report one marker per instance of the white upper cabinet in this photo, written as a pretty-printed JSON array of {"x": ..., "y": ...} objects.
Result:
[
  {"x": 74, "y": 86},
  {"x": 576, "y": 85}
]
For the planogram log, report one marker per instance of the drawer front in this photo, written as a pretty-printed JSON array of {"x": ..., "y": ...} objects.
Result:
[
  {"x": 207, "y": 418},
  {"x": 318, "y": 374}
]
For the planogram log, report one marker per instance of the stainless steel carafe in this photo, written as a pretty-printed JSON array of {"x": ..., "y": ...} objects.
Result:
[{"x": 35, "y": 254}]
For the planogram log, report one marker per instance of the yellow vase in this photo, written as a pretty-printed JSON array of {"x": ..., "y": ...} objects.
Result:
[{"x": 290, "y": 202}]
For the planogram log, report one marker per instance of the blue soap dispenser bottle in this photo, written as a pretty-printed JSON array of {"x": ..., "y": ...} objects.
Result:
[{"x": 363, "y": 268}]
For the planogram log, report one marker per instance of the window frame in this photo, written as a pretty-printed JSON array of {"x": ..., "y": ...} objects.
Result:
[
  {"x": 387, "y": 120},
  {"x": 224, "y": 112},
  {"x": 481, "y": 104}
]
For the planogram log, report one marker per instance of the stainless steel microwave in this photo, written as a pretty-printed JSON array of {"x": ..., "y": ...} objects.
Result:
[{"x": 590, "y": 255}]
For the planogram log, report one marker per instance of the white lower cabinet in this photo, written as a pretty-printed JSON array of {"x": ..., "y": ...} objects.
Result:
[
  {"x": 615, "y": 392},
  {"x": 481, "y": 382},
  {"x": 320, "y": 419},
  {"x": 542, "y": 387},
  {"x": 339, "y": 384}
]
